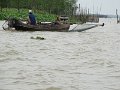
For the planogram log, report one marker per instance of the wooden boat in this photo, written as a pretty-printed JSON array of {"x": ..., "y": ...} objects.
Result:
[{"x": 53, "y": 26}]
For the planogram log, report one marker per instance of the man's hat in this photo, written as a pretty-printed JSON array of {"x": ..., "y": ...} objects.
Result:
[{"x": 30, "y": 11}]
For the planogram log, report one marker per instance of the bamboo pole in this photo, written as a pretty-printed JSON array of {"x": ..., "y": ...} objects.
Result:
[{"x": 117, "y": 15}]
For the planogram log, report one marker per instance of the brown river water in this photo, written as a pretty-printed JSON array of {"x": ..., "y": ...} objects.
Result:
[{"x": 88, "y": 60}]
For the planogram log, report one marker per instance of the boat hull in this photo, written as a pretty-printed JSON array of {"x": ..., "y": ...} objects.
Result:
[
  {"x": 53, "y": 26},
  {"x": 43, "y": 27}
]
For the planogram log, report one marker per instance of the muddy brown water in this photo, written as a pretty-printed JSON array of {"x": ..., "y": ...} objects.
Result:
[{"x": 88, "y": 60}]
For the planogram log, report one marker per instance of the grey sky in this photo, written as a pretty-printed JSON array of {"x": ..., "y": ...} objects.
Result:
[{"x": 101, "y": 6}]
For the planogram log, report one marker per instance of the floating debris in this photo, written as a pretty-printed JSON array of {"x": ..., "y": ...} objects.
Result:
[{"x": 38, "y": 37}]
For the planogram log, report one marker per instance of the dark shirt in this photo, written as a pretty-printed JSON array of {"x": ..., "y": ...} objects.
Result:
[{"x": 32, "y": 19}]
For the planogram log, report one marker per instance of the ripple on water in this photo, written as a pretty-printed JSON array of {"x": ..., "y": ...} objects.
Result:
[
  {"x": 87, "y": 60},
  {"x": 7, "y": 55},
  {"x": 53, "y": 88}
]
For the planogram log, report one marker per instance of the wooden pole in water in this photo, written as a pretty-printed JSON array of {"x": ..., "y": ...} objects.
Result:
[
  {"x": 117, "y": 15},
  {"x": 79, "y": 12},
  {"x": 79, "y": 8}
]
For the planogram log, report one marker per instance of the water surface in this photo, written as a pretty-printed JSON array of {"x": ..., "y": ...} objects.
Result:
[{"x": 88, "y": 60}]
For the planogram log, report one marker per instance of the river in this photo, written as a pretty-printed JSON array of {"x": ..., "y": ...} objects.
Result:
[{"x": 88, "y": 60}]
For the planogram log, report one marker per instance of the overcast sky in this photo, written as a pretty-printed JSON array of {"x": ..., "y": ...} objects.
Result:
[{"x": 101, "y": 6}]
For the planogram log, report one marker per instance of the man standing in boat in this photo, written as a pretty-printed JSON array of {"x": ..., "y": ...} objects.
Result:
[{"x": 32, "y": 19}]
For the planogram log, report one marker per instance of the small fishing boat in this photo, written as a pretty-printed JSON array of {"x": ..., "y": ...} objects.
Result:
[
  {"x": 49, "y": 26},
  {"x": 52, "y": 26}
]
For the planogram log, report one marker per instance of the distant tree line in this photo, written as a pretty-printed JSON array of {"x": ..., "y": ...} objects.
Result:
[{"x": 59, "y": 7}]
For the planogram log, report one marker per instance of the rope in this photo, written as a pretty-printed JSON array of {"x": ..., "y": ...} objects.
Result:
[{"x": 74, "y": 28}]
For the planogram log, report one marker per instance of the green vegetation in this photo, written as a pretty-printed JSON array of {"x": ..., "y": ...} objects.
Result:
[
  {"x": 44, "y": 10},
  {"x": 23, "y": 14},
  {"x": 58, "y": 7}
]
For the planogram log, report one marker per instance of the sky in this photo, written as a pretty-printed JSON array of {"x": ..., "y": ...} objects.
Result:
[{"x": 101, "y": 6}]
